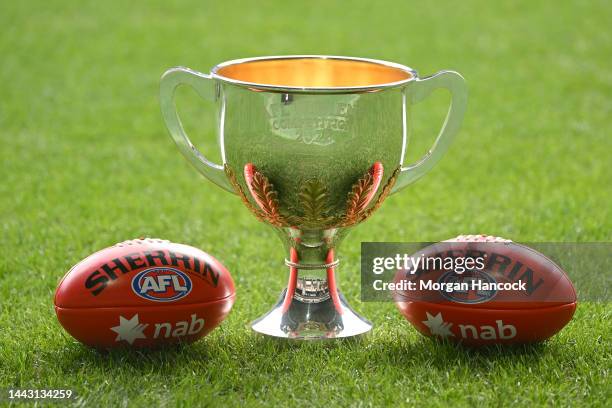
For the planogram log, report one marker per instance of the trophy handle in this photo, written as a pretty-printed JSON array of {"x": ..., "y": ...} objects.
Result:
[
  {"x": 205, "y": 87},
  {"x": 419, "y": 90}
]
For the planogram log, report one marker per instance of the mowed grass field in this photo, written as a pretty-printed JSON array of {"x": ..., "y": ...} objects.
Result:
[{"x": 86, "y": 162}]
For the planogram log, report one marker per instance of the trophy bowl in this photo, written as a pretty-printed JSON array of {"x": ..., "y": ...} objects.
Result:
[{"x": 312, "y": 145}]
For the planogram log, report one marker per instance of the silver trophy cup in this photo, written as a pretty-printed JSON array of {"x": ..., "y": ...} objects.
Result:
[{"x": 312, "y": 145}]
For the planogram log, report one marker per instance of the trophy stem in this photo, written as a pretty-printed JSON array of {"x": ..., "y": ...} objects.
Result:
[{"x": 311, "y": 307}]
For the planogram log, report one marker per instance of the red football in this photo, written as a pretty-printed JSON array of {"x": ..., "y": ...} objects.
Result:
[
  {"x": 513, "y": 294},
  {"x": 142, "y": 293}
]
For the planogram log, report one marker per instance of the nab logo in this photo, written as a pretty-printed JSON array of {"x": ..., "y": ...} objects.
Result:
[
  {"x": 161, "y": 284},
  {"x": 488, "y": 332}
]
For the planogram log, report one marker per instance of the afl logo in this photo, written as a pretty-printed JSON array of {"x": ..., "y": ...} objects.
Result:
[
  {"x": 161, "y": 284},
  {"x": 466, "y": 287}
]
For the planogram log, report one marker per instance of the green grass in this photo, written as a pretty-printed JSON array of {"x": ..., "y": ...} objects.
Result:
[{"x": 86, "y": 162}]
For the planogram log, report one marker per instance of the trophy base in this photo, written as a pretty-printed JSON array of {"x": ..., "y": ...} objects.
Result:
[{"x": 305, "y": 318}]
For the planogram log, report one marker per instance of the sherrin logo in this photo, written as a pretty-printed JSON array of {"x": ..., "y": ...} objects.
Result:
[{"x": 161, "y": 284}]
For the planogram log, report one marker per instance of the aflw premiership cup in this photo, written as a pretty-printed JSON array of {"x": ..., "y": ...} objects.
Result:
[{"x": 312, "y": 145}]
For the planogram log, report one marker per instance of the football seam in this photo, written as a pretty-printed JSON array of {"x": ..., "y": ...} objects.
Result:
[
  {"x": 458, "y": 306},
  {"x": 164, "y": 305}
]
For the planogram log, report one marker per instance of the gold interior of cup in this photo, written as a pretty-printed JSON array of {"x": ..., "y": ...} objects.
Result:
[{"x": 314, "y": 73}]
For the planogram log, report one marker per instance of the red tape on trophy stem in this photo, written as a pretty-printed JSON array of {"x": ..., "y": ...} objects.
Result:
[
  {"x": 293, "y": 275},
  {"x": 331, "y": 283}
]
